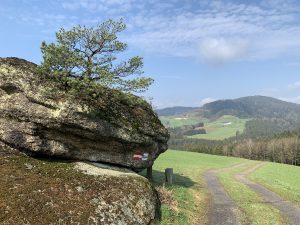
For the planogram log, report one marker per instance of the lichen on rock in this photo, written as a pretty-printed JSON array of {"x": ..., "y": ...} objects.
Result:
[
  {"x": 34, "y": 191},
  {"x": 117, "y": 128}
]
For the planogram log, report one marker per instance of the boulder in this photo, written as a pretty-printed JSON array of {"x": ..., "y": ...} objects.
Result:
[
  {"x": 35, "y": 191},
  {"x": 122, "y": 130}
]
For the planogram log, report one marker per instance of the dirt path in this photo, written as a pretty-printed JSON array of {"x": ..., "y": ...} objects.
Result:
[
  {"x": 223, "y": 209},
  {"x": 288, "y": 209}
]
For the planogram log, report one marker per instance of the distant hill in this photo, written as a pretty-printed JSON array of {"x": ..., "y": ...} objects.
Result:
[
  {"x": 176, "y": 110},
  {"x": 259, "y": 107},
  {"x": 265, "y": 115},
  {"x": 246, "y": 107}
]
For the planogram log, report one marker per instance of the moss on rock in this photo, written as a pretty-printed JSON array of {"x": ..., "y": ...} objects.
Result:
[
  {"x": 35, "y": 191},
  {"x": 109, "y": 128}
]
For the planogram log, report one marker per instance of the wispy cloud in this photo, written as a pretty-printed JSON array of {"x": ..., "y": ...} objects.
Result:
[
  {"x": 215, "y": 31},
  {"x": 295, "y": 85},
  {"x": 220, "y": 51},
  {"x": 224, "y": 32}
]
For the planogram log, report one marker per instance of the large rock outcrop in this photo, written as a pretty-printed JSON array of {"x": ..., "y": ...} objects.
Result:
[
  {"x": 35, "y": 192},
  {"x": 121, "y": 130}
]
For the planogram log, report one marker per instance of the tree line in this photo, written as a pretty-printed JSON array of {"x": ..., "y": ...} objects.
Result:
[{"x": 281, "y": 148}]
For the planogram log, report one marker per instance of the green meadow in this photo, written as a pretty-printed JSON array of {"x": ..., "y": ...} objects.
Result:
[
  {"x": 253, "y": 210},
  {"x": 178, "y": 121},
  {"x": 280, "y": 178},
  {"x": 188, "y": 189},
  {"x": 189, "y": 200},
  {"x": 224, "y": 127}
]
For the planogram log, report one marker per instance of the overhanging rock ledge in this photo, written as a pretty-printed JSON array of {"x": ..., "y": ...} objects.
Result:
[{"x": 122, "y": 131}]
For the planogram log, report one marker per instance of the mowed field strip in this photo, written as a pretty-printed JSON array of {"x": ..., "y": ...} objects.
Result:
[
  {"x": 194, "y": 197},
  {"x": 224, "y": 127}
]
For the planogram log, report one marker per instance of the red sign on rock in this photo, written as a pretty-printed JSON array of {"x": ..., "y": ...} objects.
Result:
[
  {"x": 137, "y": 156},
  {"x": 140, "y": 156}
]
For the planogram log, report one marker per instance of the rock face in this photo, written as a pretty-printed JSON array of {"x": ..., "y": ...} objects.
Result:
[
  {"x": 38, "y": 192},
  {"x": 120, "y": 131}
]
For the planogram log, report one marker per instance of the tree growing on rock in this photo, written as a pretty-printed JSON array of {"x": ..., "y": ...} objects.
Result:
[{"x": 86, "y": 57}]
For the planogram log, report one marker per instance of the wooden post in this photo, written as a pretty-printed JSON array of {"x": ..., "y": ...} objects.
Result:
[
  {"x": 169, "y": 175},
  {"x": 149, "y": 173}
]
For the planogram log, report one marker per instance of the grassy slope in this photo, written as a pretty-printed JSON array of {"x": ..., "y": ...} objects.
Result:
[
  {"x": 217, "y": 131},
  {"x": 253, "y": 210},
  {"x": 280, "y": 178},
  {"x": 189, "y": 185},
  {"x": 190, "y": 192},
  {"x": 173, "y": 121}
]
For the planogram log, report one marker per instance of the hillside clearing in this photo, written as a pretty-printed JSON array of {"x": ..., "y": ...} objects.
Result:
[
  {"x": 222, "y": 128},
  {"x": 178, "y": 121}
]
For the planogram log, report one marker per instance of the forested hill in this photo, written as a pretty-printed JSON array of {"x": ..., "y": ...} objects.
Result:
[
  {"x": 266, "y": 116},
  {"x": 177, "y": 110},
  {"x": 259, "y": 107},
  {"x": 268, "y": 133},
  {"x": 251, "y": 107}
]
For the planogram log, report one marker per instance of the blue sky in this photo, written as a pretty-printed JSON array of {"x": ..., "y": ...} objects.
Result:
[{"x": 196, "y": 50}]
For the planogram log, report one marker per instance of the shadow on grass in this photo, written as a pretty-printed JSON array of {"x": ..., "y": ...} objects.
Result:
[{"x": 178, "y": 179}]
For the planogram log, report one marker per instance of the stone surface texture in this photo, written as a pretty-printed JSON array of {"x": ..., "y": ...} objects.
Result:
[
  {"x": 34, "y": 122},
  {"x": 35, "y": 191}
]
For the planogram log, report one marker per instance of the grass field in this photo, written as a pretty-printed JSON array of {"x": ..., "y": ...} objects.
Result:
[
  {"x": 188, "y": 189},
  {"x": 253, "y": 209},
  {"x": 215, "y": 130},
  {"x": 224, "y": 127},
  {"x": 280, "y": 178},
  {"x": 173, "y": 121},
  {"x": 192, "y": 197}
]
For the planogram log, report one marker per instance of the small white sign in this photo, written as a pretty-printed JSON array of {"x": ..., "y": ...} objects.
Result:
[{"x": 145, "y": 156}]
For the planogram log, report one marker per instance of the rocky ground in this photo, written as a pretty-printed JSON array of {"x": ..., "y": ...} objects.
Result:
[{"x": 43, "y": 191}]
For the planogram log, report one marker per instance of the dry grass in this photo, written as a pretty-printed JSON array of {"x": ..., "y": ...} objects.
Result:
[{"x": 167, "y": 198}]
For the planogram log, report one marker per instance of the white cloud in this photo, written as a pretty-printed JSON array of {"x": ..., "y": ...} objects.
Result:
[
  {"x": 220, "y": 51},
  {"x": 207, "y": 100},
  {"x": 224, "y": 30},
  {"x": 295, "y": 85}
]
